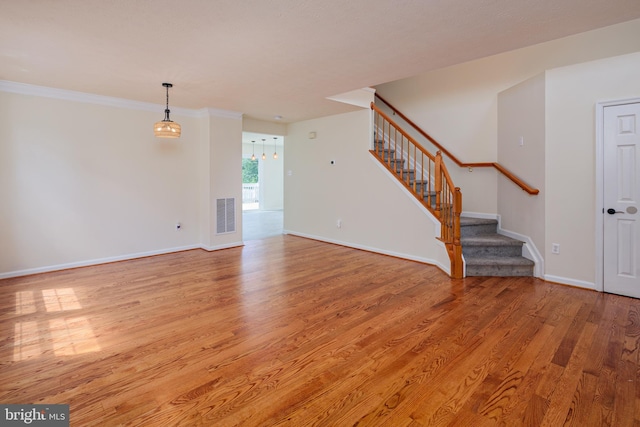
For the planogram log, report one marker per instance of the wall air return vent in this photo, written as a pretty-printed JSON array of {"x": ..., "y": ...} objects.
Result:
[{"x": 225, "y": 215}]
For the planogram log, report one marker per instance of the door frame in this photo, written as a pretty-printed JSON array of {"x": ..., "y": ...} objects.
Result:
[{"x": 599, "y": 232}]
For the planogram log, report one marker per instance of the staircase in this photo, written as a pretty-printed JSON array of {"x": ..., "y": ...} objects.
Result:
[
  {"x": 485, "y": 252},
  {"x": 488, "y": 253}
]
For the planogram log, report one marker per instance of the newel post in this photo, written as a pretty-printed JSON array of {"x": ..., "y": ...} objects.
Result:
[
  {"x": 457, "y": 269},
  {"x": 457, "y": 210}
]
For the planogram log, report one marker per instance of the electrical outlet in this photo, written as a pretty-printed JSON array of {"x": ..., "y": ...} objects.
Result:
[
  {"x": 339, "y": 223},
  {"x": 555, "y": 248}
]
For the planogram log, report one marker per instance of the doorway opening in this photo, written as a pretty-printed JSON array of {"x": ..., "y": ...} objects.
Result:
[{"x": 262, "y": 185}]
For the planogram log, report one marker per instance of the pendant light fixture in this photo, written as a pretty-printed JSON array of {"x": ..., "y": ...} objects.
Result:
[
  {"x": 264, "y": 156},
  {"x": 253, "y": 154},
  {"x": 166, "y": 128},
  {"x": 275, "y": 152}
]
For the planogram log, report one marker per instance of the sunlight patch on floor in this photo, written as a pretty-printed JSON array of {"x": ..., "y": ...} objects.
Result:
[
  {"x": 25, "y": 302},
  {"x": 72, "y": 336},
  {"x": 27, "y": 343},
  {"x": 60, "y": 336},
  {"x": 60, "y": 299}
]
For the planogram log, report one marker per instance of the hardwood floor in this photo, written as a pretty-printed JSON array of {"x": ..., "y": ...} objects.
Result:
[{"x": 290, "y": 331}]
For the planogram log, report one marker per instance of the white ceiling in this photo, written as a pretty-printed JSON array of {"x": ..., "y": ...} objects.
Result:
[{"x": 269, "y": 57}]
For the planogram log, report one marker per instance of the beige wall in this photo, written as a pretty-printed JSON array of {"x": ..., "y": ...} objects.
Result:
[
  {"x": 225, "y": 175},
  {"x": 82, "y": 182},
  {"x": 572, "y": 94},
  {"x": 272, "y": 192},
  {"x": 521, "y": 147},
  {"x": 458, "y": 105},
  {"x": 260, "y": 126},
  {"x": 563, "y": 99},
  {"x": 375, "y": 213},
  {"x": 86, "y": 182}
]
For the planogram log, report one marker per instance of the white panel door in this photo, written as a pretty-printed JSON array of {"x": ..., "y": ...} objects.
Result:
[{"x": 621, "y": 199}]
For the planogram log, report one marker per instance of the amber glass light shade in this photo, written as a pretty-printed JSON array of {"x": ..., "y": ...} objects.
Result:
[{"x": 167, "y": 129}]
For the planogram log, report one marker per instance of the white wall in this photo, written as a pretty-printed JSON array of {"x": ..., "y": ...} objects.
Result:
[
  {"x": 375, "y": 213},
  {"x": 458, "y": 105},
  {"x": 83, "y": 180}
]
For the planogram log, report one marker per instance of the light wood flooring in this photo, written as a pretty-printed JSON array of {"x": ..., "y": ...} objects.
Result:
[
  {"x": 293, "y": 332},
  {"x": 260, "y": 224}
]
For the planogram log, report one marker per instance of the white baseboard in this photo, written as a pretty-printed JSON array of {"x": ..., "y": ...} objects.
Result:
[
  {"x": 445, "y": 268},
  {"x": 97, "y": 261},
  {"x": 570, "y": 282}
]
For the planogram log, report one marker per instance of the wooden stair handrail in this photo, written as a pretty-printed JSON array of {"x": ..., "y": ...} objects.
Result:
[{"x": 520, "y": 183}]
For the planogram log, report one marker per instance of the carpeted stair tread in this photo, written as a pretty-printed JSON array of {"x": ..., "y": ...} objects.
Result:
[
  {"x": 499, "y": 261},
  {"x": 490, "y": 240},
  {"x": 465, "y": 220},
  {"x": 470, "y": 227},
  {"x": 499, "y": 266}
]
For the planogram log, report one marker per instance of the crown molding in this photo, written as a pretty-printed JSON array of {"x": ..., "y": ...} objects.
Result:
[{"x": 109, "y": 101}]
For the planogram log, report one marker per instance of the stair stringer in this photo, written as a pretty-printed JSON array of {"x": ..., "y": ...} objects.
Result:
[
  {"x": 443, "y": 265},
  {"x": 529, "y": 249}
]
